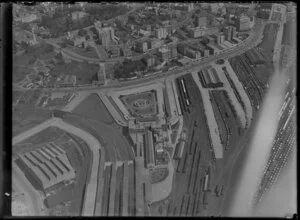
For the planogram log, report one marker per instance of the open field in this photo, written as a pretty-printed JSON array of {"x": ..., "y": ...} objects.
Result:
[
  {"x": 92, "y": 107},
  {"x": 83, "y": 71},
  {"x": 115, "y": 145},
  {"x": 268, "y": 42},
  {"x": 19, "y": 73},
  {"x": 90, "y": 53},
  {"x": 25, "y": 115},
  {"x": 195, "y": 159},
  {"x": 16, "y": 95}
]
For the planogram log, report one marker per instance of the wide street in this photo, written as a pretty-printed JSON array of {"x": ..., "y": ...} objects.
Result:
[{"x": 250, "y": 42}]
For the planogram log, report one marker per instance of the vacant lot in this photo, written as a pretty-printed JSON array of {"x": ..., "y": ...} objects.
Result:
[
  {"x": 84, "y": 71},
  {"x": 267, "y": 44},
  {"x": 115, "y": 145},
  {"x": 16, "y": 95},
  {"x": 92, "y": 107},
  {"x": 90, "y": 52},
  {"x": 19, "y": 73},
  {"x": 25, "y": 115}
]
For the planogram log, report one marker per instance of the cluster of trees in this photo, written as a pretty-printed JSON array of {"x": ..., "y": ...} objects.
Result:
[
  {"x": 106, "y": 12},
  {"x": 58, "y": 26},
  {"x": 39, "y": 49},
  {"x": 128, "y": 68}
]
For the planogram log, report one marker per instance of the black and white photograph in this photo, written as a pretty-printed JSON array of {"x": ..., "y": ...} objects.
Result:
[{"x": 159, "y": 109}]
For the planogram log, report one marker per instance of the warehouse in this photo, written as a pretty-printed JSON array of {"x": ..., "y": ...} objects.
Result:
[
  {"x": 46, "y": 166},
  {"x": 209, "y": 78}
]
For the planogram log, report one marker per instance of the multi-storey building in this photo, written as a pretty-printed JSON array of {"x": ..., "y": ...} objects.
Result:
[
  {"x": 201, "y": 21},
  {"x": 149, "y": 60},
  {"x": 243, "y": 23},
  {"x": 233, "y": 33},
  {"x": 217, "y": 38},
  {"x": 163, "y": 53},
  {"x": 199, "y": 32},
  {"x": 172, "y": 52},
  {"x": 161, "y": 33},
  {"x": 228, "y": 33},
  {"x": 193, "y": 54},
  {"x": 106, "y": 34},
  {"x": 141, "y": 46}
]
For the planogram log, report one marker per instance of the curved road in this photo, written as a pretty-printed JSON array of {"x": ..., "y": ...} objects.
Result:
[
  {"x": 250, "y": 42},
  {"x": 93, "y": 143}
]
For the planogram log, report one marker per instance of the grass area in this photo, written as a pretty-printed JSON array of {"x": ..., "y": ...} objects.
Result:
[
  {"x": 84, "y": 71},
  {"x": 93, "y": 108},
  {"x": 115, "y": 144},
  {"x": 19, "y": 73},
  {"x": 57, "y": 102},
  {"x": 105, "y": 12},
  {"x": 159, "y": 174},
  {"x": 91, "y": 52},
  {"x": 16, "y": 95},
  {"x": 268, "y": 42},
  {"x": 47, "y": 135},
  {"x": 22, "y": 64},
  {"x": 26, "y": 117}
]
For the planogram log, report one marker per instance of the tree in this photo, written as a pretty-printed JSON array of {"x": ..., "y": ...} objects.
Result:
[
  {"x": 49, "y": 48},
  {"x": 82, "y": 32}
]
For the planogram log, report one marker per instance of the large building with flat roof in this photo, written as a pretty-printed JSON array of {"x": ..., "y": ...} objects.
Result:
[
  {"x": 149, "y": 149},
  {"x": 209, "y": 78},
  {"x": 47, "y": 166}
]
